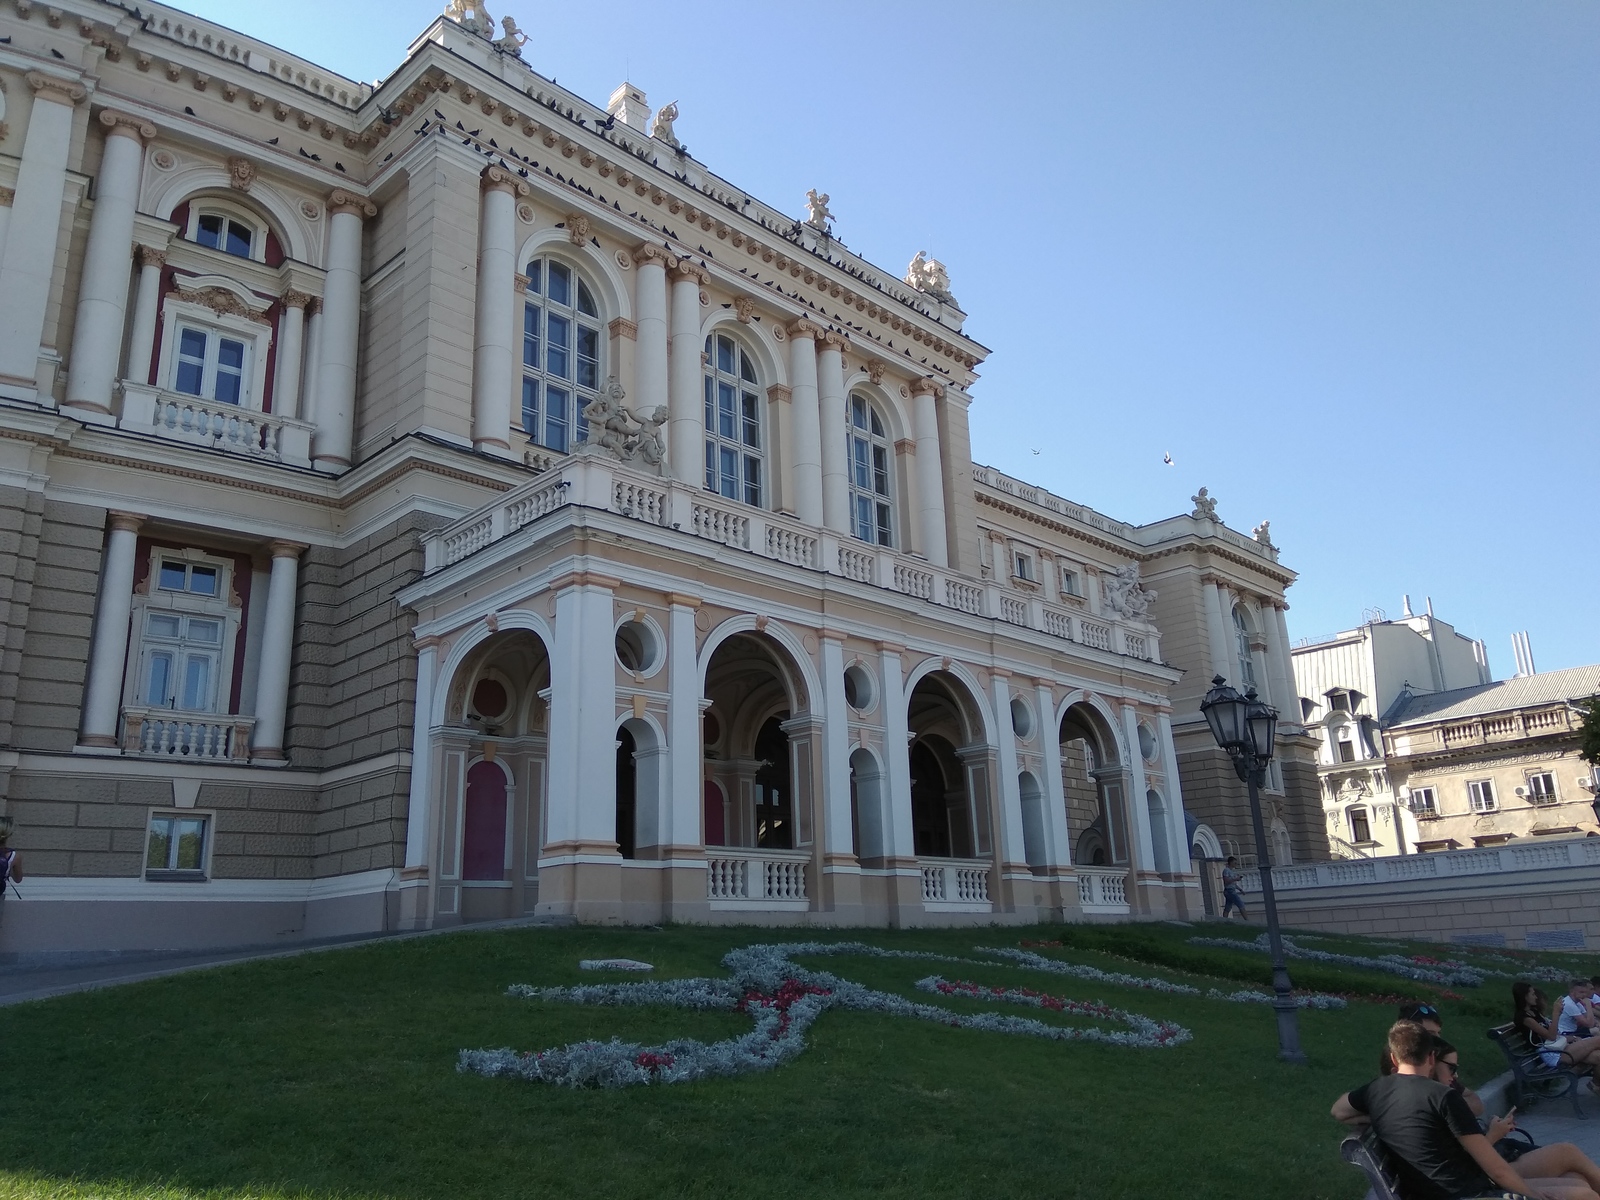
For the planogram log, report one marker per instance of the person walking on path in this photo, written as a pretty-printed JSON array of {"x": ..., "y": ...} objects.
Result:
[
  {"x": 1232, "y": 895},
  {"x": 10, "y": 861}
]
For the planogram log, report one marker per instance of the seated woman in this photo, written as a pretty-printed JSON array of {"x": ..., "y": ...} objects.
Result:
[{"x": 1532, "y": 1018}]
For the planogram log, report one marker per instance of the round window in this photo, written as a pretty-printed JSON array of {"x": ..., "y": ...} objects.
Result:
[
  {"x": 489, "y": 699},
  {"x": 858, "y": 692},
  {"x": 638, "y": 650},
  {"x": 1021, "y": 718},
  {"x": 1147, "y": 743}
]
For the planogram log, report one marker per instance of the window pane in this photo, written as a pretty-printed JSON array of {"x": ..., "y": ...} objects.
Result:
[
  {"x": 858, "y": 463},
  {"x": 159, "y": 686},
  {"x": 191, "y": 362},
  {"x": 558, "y": 342},
  {"x": 725, "y": 410},
  {"x": 880, "y": 471},
  {"x": 858, "y": 413},
  {"x": 209, "y": 232},
  {"x": 711, "y": 463},
  {"x": 730, "y": 474},
  {"x": 530, "y": 408},
  {"x": 238, "y": 239},
  {"x": 885, "y": 531},
  {"x": 555, "y": 419},
  {"x": 588, "y": 357},
  {"x": 560, "y": 284},
  {"x": 159, "y": 855},
  {"x": 191, "y": 839},
  {"x": 209, "y": 632},
  {"x": 752, "y": 481},
  {"x": 534, "y": 271},
  {"x": 162, "y": 625},
  {"x": 230, "y": 371},
  {"x": 530, "y": 336},
  {"x": 586, "y": 301},
  {"x": 196, "y": 683},
  {"x": 174, "y": 576},
  {"x": 747, "y": 370},
  {"x": 863, "y": 519},
  {"x": 877, "y": 425},
  {"x": 752, "y": 420},
  {"x": 725, "y": 355},
  {"x": 711, "y": 404},
  {"x": 203, "y": 581}
]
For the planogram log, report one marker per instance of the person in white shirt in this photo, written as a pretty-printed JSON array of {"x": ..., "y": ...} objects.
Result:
[{"x": 1576, "y": 1018}]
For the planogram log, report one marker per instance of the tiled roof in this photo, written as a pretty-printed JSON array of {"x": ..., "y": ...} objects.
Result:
[{"x": 1530, "y": 691}]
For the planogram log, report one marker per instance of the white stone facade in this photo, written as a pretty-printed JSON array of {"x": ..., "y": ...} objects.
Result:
[{"x": 453, "y": 501}]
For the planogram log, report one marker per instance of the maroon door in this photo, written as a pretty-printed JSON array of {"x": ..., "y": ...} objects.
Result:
[
  {"x": 715, "y": 832},
  {"x": 483, "y": 841}
]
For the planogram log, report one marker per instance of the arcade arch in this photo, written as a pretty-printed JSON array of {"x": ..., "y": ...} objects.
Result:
[
  {"x": 1092, "y": 783},
  {"x": 950, "y": 769}
]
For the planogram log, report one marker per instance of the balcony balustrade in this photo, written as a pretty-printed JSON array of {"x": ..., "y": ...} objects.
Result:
[
  {"x": 955, "y": 884},
  {"x": 193, "y": 737},
  {"x": 766, "y": 879},
  {"x": 1103, "y": 890},
  {"x": 196, "y": 421}
]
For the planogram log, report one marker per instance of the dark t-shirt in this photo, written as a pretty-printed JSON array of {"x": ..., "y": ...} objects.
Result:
[{"x": 1421, "y": 1121}]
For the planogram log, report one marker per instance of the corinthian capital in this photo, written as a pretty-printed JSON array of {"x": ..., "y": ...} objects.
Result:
[
  {"x": 341, "y": 201},
  {"x": 126, "y": 125}
]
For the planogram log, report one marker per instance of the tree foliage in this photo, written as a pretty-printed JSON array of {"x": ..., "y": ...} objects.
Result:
[{"x": 1589, "y": 747}]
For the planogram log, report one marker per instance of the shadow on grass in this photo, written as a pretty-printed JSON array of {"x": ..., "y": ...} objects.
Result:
[{"x": 333, "y": 1076}]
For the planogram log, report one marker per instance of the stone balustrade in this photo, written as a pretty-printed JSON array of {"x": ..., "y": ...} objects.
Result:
[
  {"x": 1103, "y": 890},
  {"x": 195, "y": 421},
  {"x": 955, "y": 884},
  {"x": 766, "y": 879},
  {"x": 194, "y": 737},
  {"x": 589, "y": 479},
  {"x": 1444, "y": 865}
]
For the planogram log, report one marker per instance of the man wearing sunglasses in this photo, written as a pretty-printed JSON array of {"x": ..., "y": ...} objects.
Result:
[{"x": 1432, "y": 1020}]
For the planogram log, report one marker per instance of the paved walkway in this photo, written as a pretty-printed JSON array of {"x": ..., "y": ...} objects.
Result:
[
  {"x": 21, "y": 984},
  {"x": 1552, "y": 1121}
]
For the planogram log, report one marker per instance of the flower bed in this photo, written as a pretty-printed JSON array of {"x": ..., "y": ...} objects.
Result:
[
  {"x": 784, "y": 999},
  {"x": 1425, "y": 970}
]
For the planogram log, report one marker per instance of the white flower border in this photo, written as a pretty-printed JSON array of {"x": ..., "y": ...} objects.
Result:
[
  {"x": 1445, "y": 972},
  {"x": 785, "y": 999}
]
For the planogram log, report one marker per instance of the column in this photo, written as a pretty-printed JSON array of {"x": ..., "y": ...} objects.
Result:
[
  {"x": 291, "y": 344},
  {"x": 497, "y": 295},
  {"x": 277, "y": 648},
  {"x": 930, "y": 473},
  {"x": 341, "y": 327},
  {"x": 1178, "y": 828},
  {"x": 685, "y": 743},
  {"x": 313, "y": 362},
  {"x": 1219, "y": 630},
  {"x": 34, "y": 230},
  {"x": 833, "y": 428},
  {"x": 686, "y": 427},
  {"x": 419, "y": 804},
  {"x": 1008, "y": 795},
  {"x": 1142, "y": 856},
  {"x": 146, "y": 300},
  {"x": 807, "y": 420},
  {"x": 837, "y": 833},
  {"x": 103, "y": 286},
  {"x": 624, "y": 338},
  {"x": 897, "y": 836},
  {"x": 1058, "y": 843},
  {"x": 102, "y": 692},
  {"x": 650, "y": 387},
  {"x": 1280, "y": 665},
  {"x": 582, "y": 779}
]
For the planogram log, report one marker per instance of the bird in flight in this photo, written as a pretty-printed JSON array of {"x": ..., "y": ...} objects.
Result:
[
  {"x": 1036, "y": 452},
  {"x": 1167, "y": 458}
]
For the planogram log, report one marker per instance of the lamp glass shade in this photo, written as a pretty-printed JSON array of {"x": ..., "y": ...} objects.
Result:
[
  {"x": 1263, "y": 722},
  {"x": 1227, "y": 713}
]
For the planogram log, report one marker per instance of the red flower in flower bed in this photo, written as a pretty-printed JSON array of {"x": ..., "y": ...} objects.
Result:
[{"x": 652, "y": 1060}]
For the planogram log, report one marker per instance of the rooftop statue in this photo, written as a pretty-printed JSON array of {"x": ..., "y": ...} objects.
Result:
[
  {"x": 929, "y": 277},
  {"x": 472, "y": 16},
  {"x": 1204, "y": 506},
  {"x": 514, "y": 39},
  {"x": 661, "y": 127},
  {"x": 818, "y": 215},
  {"x": 1126, "y": 596},
  {"x": 1263, "y": 534}
]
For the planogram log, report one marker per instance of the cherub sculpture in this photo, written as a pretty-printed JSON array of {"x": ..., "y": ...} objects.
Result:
[
  {"x": 648, "y": 443},
  {"x": 1263, "y": 534},
  {"x": 817, "y": 210},
  {"x": 929, "y": 277},
  {"x": 472, "y": 16},
  {"x": 661, "y": 127},
  {"x": 514, "y": 39},
  {"x": 1126, "y": 595},
  {"x": 607, "y": 413},
  {"x": 1205, "y": 506}
]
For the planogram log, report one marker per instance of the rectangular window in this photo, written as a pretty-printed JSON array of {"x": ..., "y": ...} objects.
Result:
[
  {"x": 1542, "y": 787},
  {"x": 1024, "y": 567},
  {"x": 210, "y": 365},
  {"x": 1340, "y": 701},
  {"x": 1347, "y": 750},
  {"x": 1480, "y": 793},
  {"x": 182, "y": 661},
  {"x": 176, "y": 846},
  {"x": 1360, "y": 830},
  {"x": 195, "y": 579},
  {"x": 1424, "y": 802},
  {"x": 1070, "y": 585}
]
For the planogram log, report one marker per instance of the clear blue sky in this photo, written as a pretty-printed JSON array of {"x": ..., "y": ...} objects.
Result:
[{"x": 1341, "y": 259}]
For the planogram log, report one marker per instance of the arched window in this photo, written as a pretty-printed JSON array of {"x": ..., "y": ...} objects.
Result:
[
  {"x": 221, "y": 225},
  {"x": 1241, "y": 633},
  {"x": 560, "y": 355},
  {"x": 871, "y": 503},
  {"x": 734, "y": 453}
]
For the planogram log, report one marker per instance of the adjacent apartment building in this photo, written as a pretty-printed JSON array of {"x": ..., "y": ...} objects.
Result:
[
  {"x": 447, "y": 499},
  {"x": 1420, "y": 750}
]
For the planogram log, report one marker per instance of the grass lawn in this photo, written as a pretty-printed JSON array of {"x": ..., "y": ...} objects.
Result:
[{"x": 333, "y": 1075}]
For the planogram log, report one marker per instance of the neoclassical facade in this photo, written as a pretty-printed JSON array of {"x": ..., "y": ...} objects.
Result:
[{"x": 446, "y": 499}]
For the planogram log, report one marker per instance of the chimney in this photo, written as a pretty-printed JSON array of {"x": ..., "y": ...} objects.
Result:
[
  {"x": 628, "y": 106},
  {"x": 1523, "y": 649}
]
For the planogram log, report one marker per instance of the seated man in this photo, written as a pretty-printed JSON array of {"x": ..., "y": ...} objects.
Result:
[
  {"x": 1577, "y": 1019},
  {"x": 1430, "y": 1019},
  {"x": 1439, "y": 1150}
]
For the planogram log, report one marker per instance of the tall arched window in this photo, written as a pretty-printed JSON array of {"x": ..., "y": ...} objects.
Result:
[
  {"x": 734, "y": 453},
  {"x": 560, "y": 354},
  {"x": 871, "y": 504},
  {"x": 1241, "y": 634}
]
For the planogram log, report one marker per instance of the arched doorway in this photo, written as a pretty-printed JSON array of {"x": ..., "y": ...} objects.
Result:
[
  {"x": 639, "y": 788},
  {"x": 757, "y": 763},
  {"x": 1160, "y": 848},
  {"x": 949, "y": 770},
  {"x": 627, "y": 798},
  {"x": 1092, "y": 783},
  {"x": 866, "y": 806}
]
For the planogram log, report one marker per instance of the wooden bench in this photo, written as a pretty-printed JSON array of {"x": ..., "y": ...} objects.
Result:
[
  {"x": 1364, "y": 1150},
  {"x": 1530, "y": 1078}
]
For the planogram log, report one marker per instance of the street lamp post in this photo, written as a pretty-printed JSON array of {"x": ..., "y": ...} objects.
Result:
[{"x": 1246, "y": 728}]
